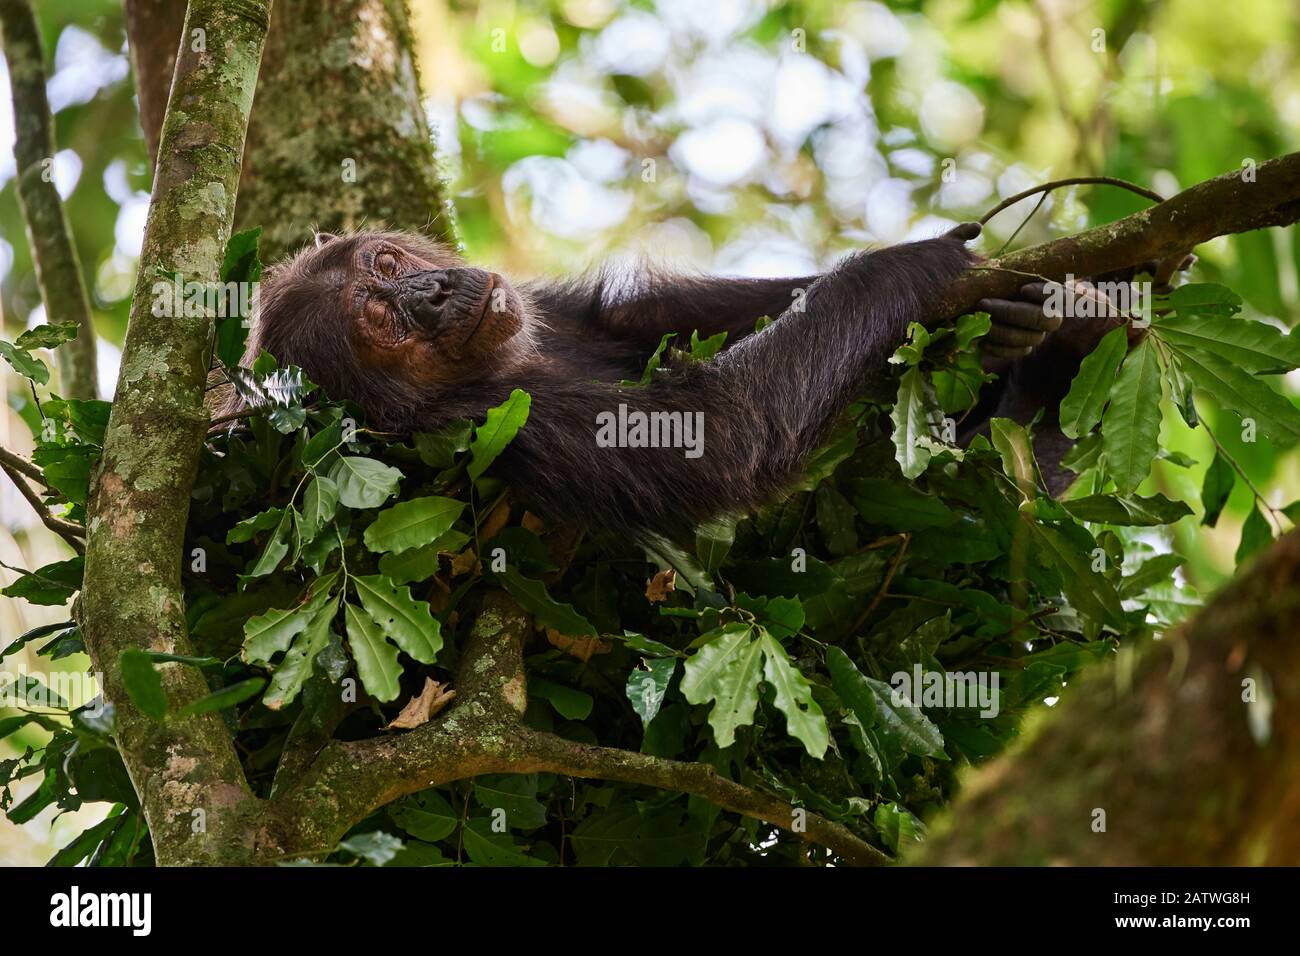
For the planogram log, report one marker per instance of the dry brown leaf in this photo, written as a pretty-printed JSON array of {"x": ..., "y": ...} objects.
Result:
[
  {"x": 532, "y": 523},
  {"x": 420, "y": 710},
  {"x": 496, "y": 520},
  {"x": 464, "y": 563},
  {"x": 580, "y": 647},
  {"x": 660, "y": 586}
]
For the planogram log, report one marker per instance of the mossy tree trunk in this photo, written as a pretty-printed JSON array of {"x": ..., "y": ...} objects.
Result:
[
  {"x": 58, "y": 271},
  {"x": 1184, "y": 752},
  {"x": 338, "y": 139},
  {"x": 185, "y": 769}
]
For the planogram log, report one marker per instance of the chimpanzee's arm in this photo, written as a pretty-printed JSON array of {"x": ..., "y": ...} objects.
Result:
[
  {"x": 765, "y": 404},
  {"x": 643, "y": 307}
]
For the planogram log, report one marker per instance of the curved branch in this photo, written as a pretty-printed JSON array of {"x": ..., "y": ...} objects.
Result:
[
  {"x": 66, "y": 530},
  {"x": 483, "y": 734},
  {"x": 1072, "y": 181},
  {"x": 22, "y": 465},
  {"x": 1251, "y": 198}
]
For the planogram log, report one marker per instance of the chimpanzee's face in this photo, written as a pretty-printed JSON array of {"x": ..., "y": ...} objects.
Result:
[
  {"x": 421, "y": 313},
  {"x": 354, "y": 309}
]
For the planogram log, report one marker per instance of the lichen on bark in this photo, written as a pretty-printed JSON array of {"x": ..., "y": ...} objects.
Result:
[
  {"x": 192, "y": 788},
  {"x": 365, "y": 158}
]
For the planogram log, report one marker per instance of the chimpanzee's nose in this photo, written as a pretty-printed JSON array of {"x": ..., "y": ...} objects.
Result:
[{"x": 424, "y": 294}]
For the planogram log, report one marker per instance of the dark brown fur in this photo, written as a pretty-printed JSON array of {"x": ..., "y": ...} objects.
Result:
[{"x": 768, "y": 399}]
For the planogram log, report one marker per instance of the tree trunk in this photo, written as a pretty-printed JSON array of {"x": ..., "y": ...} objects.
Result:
[
  {"x": 58, "y": 271},
  {"x": 185, "y": 769},
  {"x": 339, "y": 140},
  {"x": 1187, "y": 751},
  {"x": 153, "y": 30}
]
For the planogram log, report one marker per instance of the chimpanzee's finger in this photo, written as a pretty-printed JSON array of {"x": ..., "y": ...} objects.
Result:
[
  {"x": 1013, "y": 337},
  {"x": 1024, "y": 315},
  {"x": 964, "y": 232}
]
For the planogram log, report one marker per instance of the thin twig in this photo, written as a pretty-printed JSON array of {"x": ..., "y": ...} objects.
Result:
[
  {"x": 1072, "y": 181},
  {"x": 68, "y": 531},
  {"x": 905, "y": 537},
  {"x": 21, "y": 464}
]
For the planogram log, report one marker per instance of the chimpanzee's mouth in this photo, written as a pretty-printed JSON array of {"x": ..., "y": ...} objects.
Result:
[{"x": 482, "y": 312}]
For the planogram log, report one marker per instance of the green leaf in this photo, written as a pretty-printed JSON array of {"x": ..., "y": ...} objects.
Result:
[
  {"x": 225, "y": 698},
  {"x": 1217, "y": 486},
  {"x": 319, "y": 503},
  {"x": 971, "y": 326},
  {"x": 713, "y": 541},
  {"x": 911, "y": 423},
  {"x": 249, "y": 528},
  {"x": 726, "y": 670},
  {"x": 898, "y": 506},
  {"x": 376, "y": 658},
  {"x": 67, "y": 469},
  {"x": 852, "y": 687},
  {"x": 569, "y": 702},
  {"x": 904, "y": 724},
  {"x": 24, "y": 363},
  {"x": 803, "y": 718},
  {"x": 1155, "y": 570},
  {"x": 497, "y": 431},
  {"x": 50, "y": 586},
  {"x": 704, "y": 349},
  {"x": 1088, "y": 591},
  {"x": 412, "y": 523},
  {"x": 1136, "y": 511},
  {"x": 646, "y": 688},
  {"x": 1253, "y": 346},
  {"x": 407, "y": 622},
  {"x": 426, "y": 816},
  {"x": 1256, "y": 534},
  {"x": 535, "y": 599},
  {"x": 295, "y": 666},
  {"x": 47, "y": 336},
  {"x": 1130, "y": 429},
  {"x": 143, "y": 683},
  {"x": 487, "y": 848},
  {"x": 1013, "y": 445},
  {"x": 364, "y": 482},
  {"x": 277, "y": 546},
  {"x": 439, "y": 449},
  {"x": 652, "y": 364},
  {"x": 421, "y": 563},
  {"x": 1243, "y": 394},
  {"x": 1082, "y": 406}
]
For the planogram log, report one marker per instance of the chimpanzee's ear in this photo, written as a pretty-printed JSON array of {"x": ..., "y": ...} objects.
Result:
[{"x": 324, "y": 237}]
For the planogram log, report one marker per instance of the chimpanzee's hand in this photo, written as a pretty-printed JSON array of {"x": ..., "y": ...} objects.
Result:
[{"x": 1080, "y": 312}]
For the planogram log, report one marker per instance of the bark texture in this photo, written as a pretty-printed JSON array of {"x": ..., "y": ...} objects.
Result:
[
  {"x": 1190, "y": 747},
  {"x": 58, "y": 271},
  {"x": 338, "y": 139},
  {"x": 153, "y": 31},
  {"x": 185, "y": 769}
]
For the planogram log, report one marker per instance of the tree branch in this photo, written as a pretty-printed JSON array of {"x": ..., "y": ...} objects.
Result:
[
  {"x": 22, "y": 465},
  {"x": 58, "y": 271},
  {"x": 68, "y": 531},
  {"x": 185, "y": 769},
  {"x": 483, "y": 734},
  {"x": 1221, "y": 206}
]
